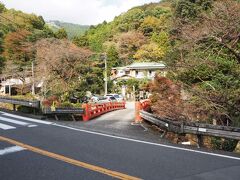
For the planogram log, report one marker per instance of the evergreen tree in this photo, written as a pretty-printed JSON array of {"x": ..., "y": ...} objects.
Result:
[
  {"x": 112, "y": 57},
  {"x": 61, "y": 34},
  {"x": 2, "y": 7},
  {"x": 1, "y": 51}
]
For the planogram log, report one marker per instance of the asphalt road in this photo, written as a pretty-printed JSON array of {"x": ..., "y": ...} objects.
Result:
[
  {"x": 31, "y": 149},
  {"x": 119, "y": 123}
]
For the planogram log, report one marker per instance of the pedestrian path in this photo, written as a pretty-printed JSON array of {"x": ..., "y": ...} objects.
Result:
[{"x": 10, "y": 121}]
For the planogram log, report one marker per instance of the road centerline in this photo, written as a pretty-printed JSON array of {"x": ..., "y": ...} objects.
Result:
[{"x": 91, "y": 167}]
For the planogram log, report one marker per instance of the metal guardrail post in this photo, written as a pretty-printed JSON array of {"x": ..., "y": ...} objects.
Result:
[
  {"x": 199, "y": 140},
  {"x": 182, "y": 128}
]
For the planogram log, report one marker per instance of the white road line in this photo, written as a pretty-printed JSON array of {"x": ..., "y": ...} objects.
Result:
[
  {"x": 13, "y": 121},
  {"x": 32, "y": 125},
  {"x": 6, "y": 127},
  {"x": 26, "y": 118},
  {"x": 11, "y": 150},
  {"x": 150, "y": 143}
]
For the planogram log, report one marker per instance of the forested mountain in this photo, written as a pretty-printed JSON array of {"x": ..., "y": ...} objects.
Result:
[
  {"x": 139, "y": 34},
  {"x": 16, "y": 29},
  {"x": 71, "y": 29}
]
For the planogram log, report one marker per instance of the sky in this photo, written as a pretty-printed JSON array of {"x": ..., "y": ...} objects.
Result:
[{"x": 85, "y": 12}]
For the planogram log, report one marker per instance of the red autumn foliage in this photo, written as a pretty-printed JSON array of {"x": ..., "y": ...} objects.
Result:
[
  {"x": 166, "y": 99},
  {"x": 49, "y": 101}
]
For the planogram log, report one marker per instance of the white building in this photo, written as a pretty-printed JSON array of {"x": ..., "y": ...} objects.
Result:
[
  {"x": 7, "y": 83},
  {"x": 144, "y": 70},
  {"x": 139, "y": 71},
  {"x": 10, "y": 85}
]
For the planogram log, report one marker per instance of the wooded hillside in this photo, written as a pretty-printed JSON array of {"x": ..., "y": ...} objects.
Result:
[
  {"x": 62, "y": 67},
  {"x": 200, "y": 43}
]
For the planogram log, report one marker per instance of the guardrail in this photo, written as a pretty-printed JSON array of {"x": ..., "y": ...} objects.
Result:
[
  {"x": 28, "y": 103},
  {"x": 198, "y": 129},
  {"x": 61, "y": 111},
  {"x": 94, "y": 110},
  {"x": 88, "y": 111}
]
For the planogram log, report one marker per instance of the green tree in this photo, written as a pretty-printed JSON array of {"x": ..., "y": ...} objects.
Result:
[
  {"x": 150, "y": 24},
  {"x": 1, "y": 51},
  {"x": 112, "y": 57},
  {"x": 98, "y": 35},
  {"x": 81, "y": 41},
  {"x": 14, "y": 19},
  {"x": 2, "y": 7},
  {"x": 130, "y": 20},
  {"x": 37, "y": 22},
  {"x": 61, "y": 34},
  {"x": 190, "y": 9},
  {"x": 149, "y": 52}
]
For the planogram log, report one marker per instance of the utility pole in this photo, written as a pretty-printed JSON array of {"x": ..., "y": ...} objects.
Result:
[
  {"x": 33, "y": 83},
  {"x": 134, "y": 93},
  {"x": 104, "y": 57},
  {"x": 9, "y": 89},
  {"x": 106, "y": 78}
]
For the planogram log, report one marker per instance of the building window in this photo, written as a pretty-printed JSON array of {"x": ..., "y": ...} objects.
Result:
[
  {"x": 150, "y": 73},
  {"x": 136, "y": 73}
]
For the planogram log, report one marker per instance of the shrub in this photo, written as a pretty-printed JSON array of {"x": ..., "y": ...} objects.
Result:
[
  {"x": 229, "y": 145},
  {"x": 66, "y": 104},
  {"x": 223, "y": 144},
  {"x": 77, "y": 105},
  {"x": 25, "y": 109},
  {"x": 216, "y": 143},
  {"x": 49, "y": 101}
]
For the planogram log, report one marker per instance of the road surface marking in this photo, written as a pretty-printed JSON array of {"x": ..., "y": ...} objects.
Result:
[
  {"x": 149, "y": 143},
  {"x": 6, "y": 127},
  {"x": 108, "y": 172},
  {"x": 11, "y": 150},
  {"x": 26, "y": 118},
  {"x": 13, "y": 121},
  {"x": 32, "y": 126}
]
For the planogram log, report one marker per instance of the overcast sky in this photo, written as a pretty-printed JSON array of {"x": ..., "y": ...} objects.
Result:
[{"x": 86, "y": 12}]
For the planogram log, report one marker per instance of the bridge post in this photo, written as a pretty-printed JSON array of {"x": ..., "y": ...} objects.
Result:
[
  {"x": 86, "y": 115},
  {"x": 138, "y": 108}
]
